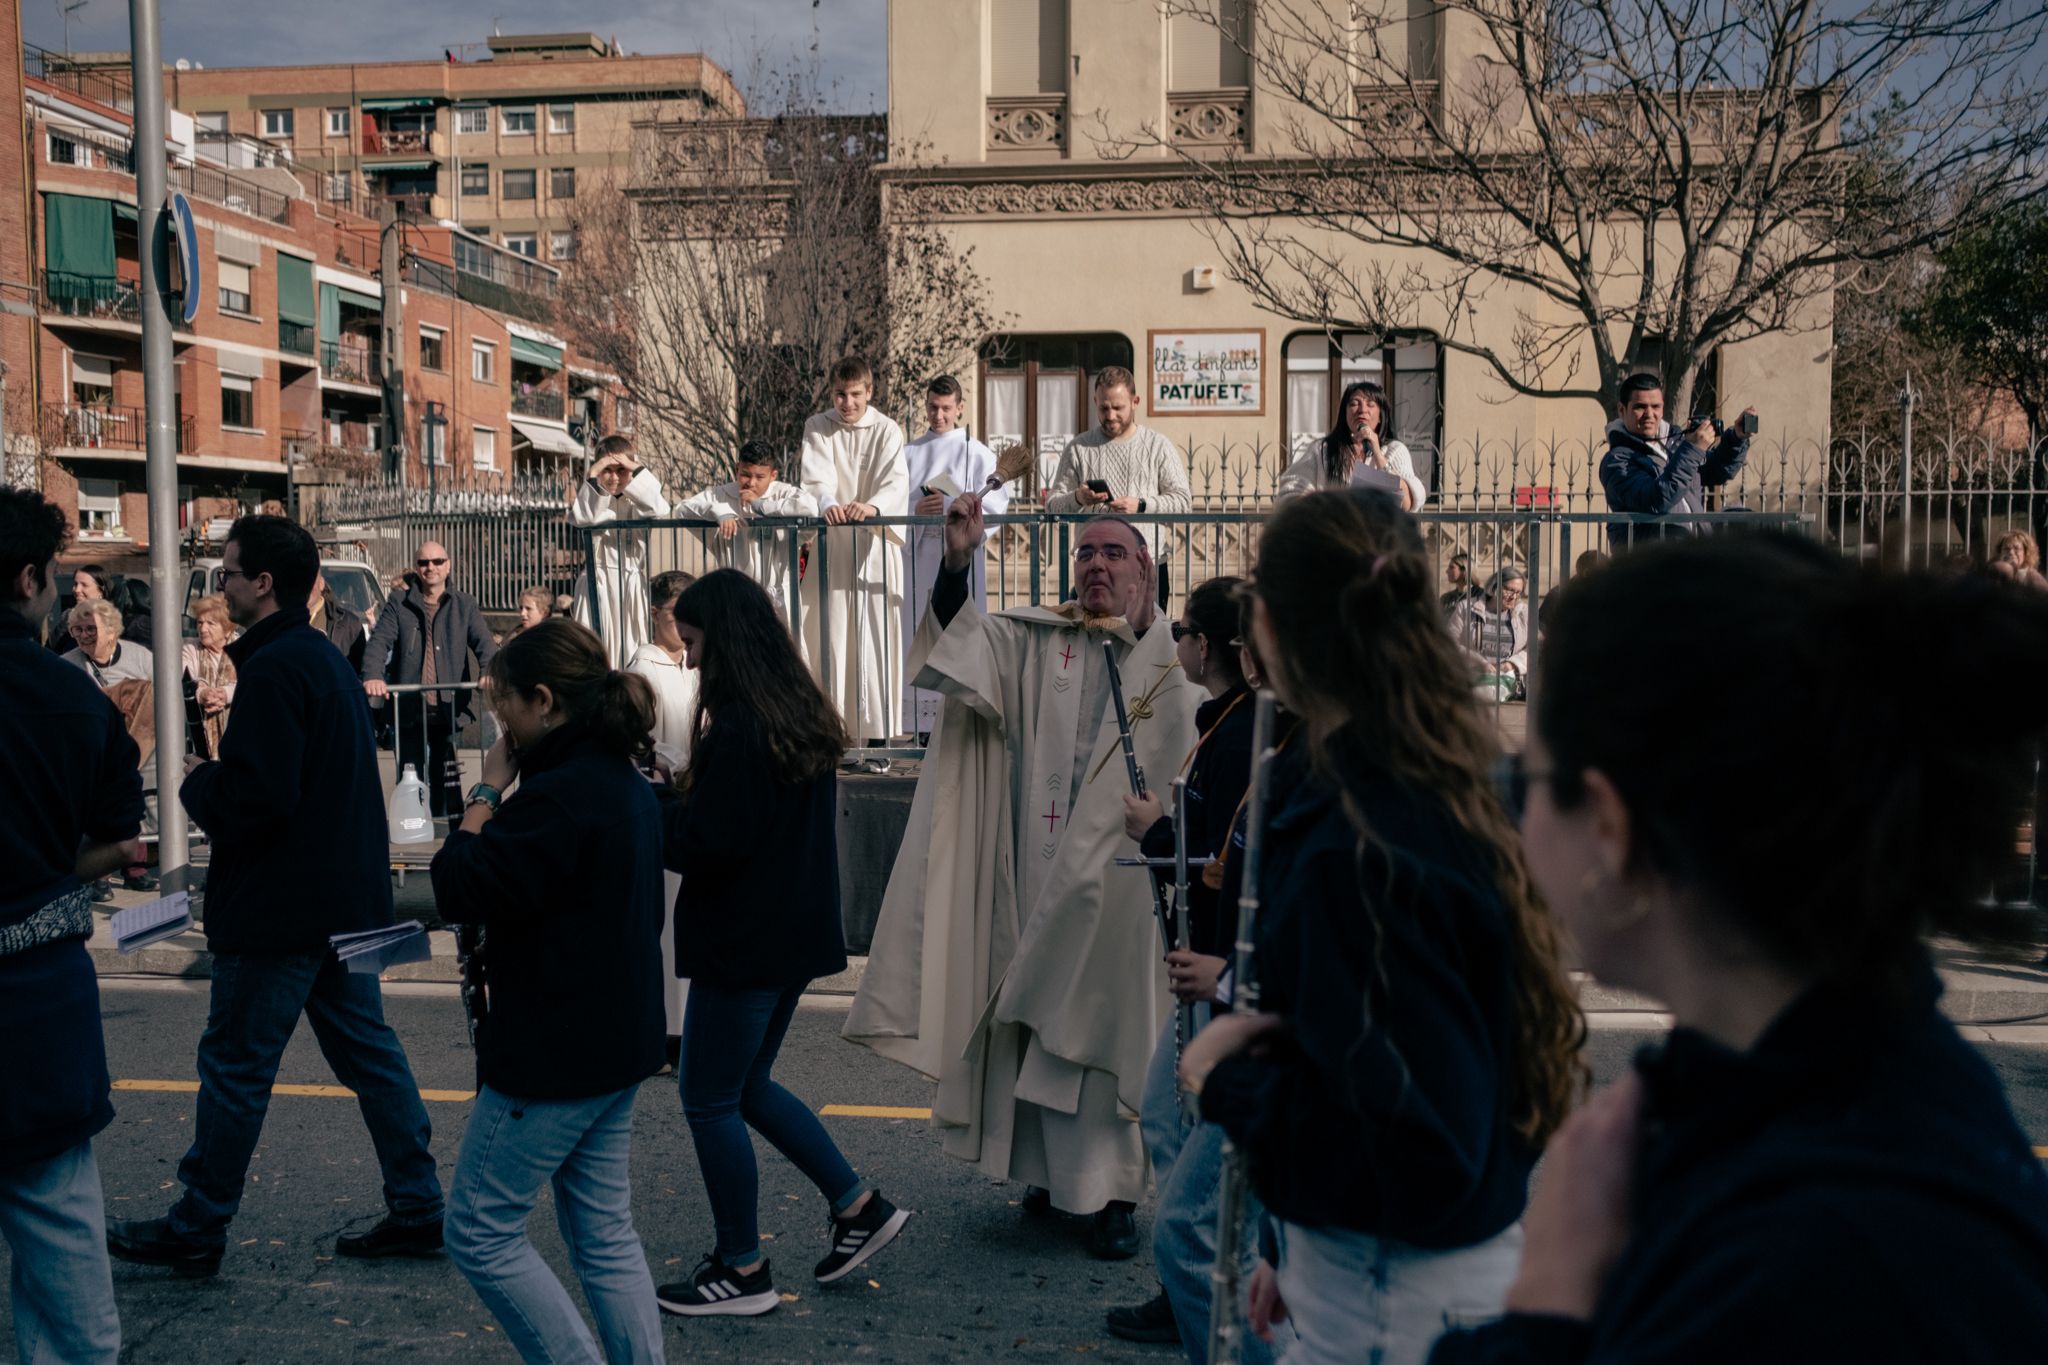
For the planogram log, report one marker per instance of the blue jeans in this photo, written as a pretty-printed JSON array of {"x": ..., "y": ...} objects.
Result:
[
  {"x": 1187, "y": 1163},
  {"x": 257, "y": 999},
  {"x": 54, "y": 1220},
  {"x": 512, "y": 1149},
  {"x": 730, "y": 1039},
  {"x": 1353, "y": 1296}
]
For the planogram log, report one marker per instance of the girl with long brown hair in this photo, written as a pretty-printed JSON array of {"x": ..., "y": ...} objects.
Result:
[
  {"x": 1420, "y": 1039},
  {"x": 755, "y": 837}
]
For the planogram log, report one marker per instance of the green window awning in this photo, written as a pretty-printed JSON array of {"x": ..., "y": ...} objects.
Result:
[
  {"x": 400, "y": 104},
  {"x": 382, "y": 167},
  {"x": 536, "y": 353},
  {"x": 295, "y": 290},
  {"x": 369, "y": 302},
  {"x": 126, "y": 213},
  {"x": 330, "y": 313},
  {"x": 78, "y": 236}
]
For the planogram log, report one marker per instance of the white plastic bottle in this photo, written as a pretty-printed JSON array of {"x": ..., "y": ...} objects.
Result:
[{"x": 411, "y": 821}]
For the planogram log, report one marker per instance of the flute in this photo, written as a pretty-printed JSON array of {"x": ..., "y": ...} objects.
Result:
[
  {"x": 1184, "y": 1016},
  {"x": 1226, "y": 1333},
  {"x": 1137, "y": 774}
]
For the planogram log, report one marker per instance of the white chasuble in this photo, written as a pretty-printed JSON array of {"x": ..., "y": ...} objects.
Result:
[
  {"x": 861, "y": 616},
  {"x": 1013, "y": 963}
]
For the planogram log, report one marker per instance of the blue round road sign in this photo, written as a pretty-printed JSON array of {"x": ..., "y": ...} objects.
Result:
[{"x": 185, "y": 233}]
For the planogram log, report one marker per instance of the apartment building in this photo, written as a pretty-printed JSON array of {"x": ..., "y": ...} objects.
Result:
[
  {"x": 281, "y": 379},
  {"x": 505, "y": 146}
]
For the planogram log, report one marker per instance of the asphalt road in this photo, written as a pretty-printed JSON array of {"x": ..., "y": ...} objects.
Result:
[{"x": 972, "y": 1278}]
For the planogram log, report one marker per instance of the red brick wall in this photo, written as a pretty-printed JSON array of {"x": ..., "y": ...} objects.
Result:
[{"x": 17, "y": 334}]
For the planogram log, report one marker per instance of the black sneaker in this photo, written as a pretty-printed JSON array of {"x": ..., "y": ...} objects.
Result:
[
  {"x": 152, "y": 1241},
  {"x": 717, "y": 1290},
  {"x": 389, "y": 1238},
  {"x": 861, "y": 1236},
  {"x": 1151, "y": 1321},
  {"x": 102, "y": 891}
]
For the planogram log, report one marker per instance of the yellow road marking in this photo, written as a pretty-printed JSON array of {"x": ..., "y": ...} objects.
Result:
[
  {"x": 330, "y": 1092},
  {"x": 873, "y": 1111}
]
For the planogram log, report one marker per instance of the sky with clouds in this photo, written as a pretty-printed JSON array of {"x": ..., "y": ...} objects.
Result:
[{"x": 849, "y": 35}]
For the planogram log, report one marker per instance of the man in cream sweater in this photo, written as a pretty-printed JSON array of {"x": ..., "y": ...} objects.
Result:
[{"x": 1140, "y": 469}]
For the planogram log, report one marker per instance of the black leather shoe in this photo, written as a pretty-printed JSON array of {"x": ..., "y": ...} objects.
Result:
[
  {"x": 392, "y": 1239},
  {"x": 1036, "y": 1201},
  {"x": 1115, "y": 1234},
  {"x": 1151, "y": 1321},
  {"x": 151, "y": 1241}
]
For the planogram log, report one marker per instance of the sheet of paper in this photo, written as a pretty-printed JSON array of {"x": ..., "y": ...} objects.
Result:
[{"x": 943, "y": 483}]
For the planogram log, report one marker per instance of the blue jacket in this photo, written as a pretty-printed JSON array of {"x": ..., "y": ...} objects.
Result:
[
  {"x": 1383, "y": 1107},
  {"x": 295, "y": 805},
  {"x": 1640, "y": 477},
  {"x": 1852, "y": 1188},
  {"x": 67, "y": 775},
  {"x": 566, "y": 881}
]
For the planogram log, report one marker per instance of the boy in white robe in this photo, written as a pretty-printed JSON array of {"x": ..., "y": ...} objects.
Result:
[
  {"x": 619, "y": 489},
  {"x": 944, "y": 452},
  {"x": 853, "y": 635},
  {"x": 753, "y": 491}
]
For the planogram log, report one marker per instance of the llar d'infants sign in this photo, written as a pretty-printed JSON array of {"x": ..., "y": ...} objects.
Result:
[{"x": 1200, "y": 372}]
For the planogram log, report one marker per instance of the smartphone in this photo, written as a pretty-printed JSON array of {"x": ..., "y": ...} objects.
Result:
[{"x": 1100, "y": 485}]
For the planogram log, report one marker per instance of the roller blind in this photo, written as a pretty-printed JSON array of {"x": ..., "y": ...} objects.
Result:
[
  {"x": 234, "y": 277},
  {"x": 78, "y": 235},
  {"x": 1208, "y": 55},
  {"x": 295, "y": 289},
  {"x": 1027, "y": 47},
  {"x": 536, "y": 353}
]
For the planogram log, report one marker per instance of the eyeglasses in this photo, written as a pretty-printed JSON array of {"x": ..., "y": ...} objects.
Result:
[
  {"x": 1181, "y": 632},
  {"x": 431, "y": 563},
  {"x": 1512, "y": 778},
  {"x": 1115, "y": 554},
  {"x": 223, "y": 573}
]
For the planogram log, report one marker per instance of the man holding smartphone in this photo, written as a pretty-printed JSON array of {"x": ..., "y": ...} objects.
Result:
[
  {"x": 1654, "y": 466},
  {"x": 1123, "y": 467}
]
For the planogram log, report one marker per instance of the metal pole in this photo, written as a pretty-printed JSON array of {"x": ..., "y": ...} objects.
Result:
[
  {"x": 1906, "y": 397},
  {"x": 160, "y": 398}
]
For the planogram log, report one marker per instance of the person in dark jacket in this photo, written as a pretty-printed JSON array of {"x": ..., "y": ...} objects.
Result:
[
  {"x": 1656, "y": 467},
  {"x": 428, "y": 611},
  {"x": 755, "y": 837},
  {"x": 1814, "y": 1165},
  {"x": 70, "y": 808},
  {"x": 1217, "y": 771},
  {"x": 565, "y": 880},
  {"x": 1419, "y": 1037},
  {"x": 295, "y": 813},
  {"x": 339, "y": 624}
]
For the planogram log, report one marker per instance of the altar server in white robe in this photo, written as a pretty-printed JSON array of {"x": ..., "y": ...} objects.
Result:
[
  {"x": 853, "y": 465},
  {"x": 754, "y": 490},
  {"x": 660, "y": 661},
  {"x": 1014, "y": 962},
  {"x": 947, "y": 453},
  {"x": 618, "y": 488}
]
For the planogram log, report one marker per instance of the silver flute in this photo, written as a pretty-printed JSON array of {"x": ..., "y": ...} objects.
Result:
[
  {"x": 1137, "y": 774},
  {"x": 1226, "y": 1330},
  {"x": 1184, "y": 1016}
]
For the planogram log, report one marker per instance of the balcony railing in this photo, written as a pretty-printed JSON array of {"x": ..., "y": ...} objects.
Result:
[
  {"x": 1219, "y": 119},
  {"x": 231, "y": 191},
  {"x": 295, "y": 337},
  {"x": 90, "y": 296},
  {"x": 110, "y": 85},
  {"x": 73, "y": 426},
  {"x": 384, "y": 141},
  {"x": 1027, "y": 123},
  {"x": 546, "y": 403},
  {"x": 419, "y": 204},
  {"x": 350, "y": 362},
  {"x": 356, "y": 252}
]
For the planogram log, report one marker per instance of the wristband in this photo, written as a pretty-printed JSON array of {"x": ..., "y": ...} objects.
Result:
[{"x": 483, "y": 794}]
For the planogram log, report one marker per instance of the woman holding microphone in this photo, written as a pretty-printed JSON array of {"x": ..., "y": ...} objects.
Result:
[{"x": 564, "y": 875}]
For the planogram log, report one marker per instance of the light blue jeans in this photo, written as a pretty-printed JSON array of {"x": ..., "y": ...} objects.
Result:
[
  {"x": 1353, "y": 1296},
  {"x": 511, "y": 1150},
  {"x": 53, "y": 1217},
  {"x": 1187, "y": 1163}
]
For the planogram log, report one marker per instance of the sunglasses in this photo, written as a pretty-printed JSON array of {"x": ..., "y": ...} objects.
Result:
[
  {"x": 1512, "y": 778},
  {"x": 431, "y": 563},
  {"x": 1181, "y": 632}
]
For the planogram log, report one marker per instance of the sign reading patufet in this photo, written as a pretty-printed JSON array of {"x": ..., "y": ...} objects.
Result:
[{"x": 1198, "y": 372}]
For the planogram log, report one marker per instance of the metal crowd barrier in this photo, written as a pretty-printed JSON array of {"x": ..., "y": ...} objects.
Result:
[
  {"x": 1029, "y": 562},
  {"x": 405, "y": 857}
]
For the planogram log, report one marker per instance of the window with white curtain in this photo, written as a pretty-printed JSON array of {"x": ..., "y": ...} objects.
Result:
[
  {"x": 484, "y": 448},
  {"x": 1408, "y": 368},
  {"x": 1035, "y": 391}
]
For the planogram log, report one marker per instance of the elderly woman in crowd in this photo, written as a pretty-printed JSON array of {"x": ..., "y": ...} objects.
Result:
[
  {"x": 1493, "y": 629},
  {"x": 210, "y": 674},
  {"x": 2018, "y": 558},
  {"x": 125, "y": 671}
]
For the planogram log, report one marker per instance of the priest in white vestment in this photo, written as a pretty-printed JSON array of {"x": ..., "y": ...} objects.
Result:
[
  {"x": 1013, "y": 962},
  {"x": 950, "y": 455},
  {"x": 761, "y": 553},
  {"x": 660, "y": 661},
  {"x": 853, "y": 465},
  {"x": 618, "y": 489}
]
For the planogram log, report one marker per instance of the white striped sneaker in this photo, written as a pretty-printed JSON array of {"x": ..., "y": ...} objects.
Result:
[
  {"x": 861, "y": 1236},
  {"x": 717, "y": 1290}
]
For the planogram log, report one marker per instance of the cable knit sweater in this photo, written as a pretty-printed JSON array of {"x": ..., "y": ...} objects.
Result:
[{"x": 1141, "y": 464}]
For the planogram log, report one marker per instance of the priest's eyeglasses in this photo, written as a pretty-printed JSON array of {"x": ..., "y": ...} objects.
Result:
[{"x": 1115, "y": 554}]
